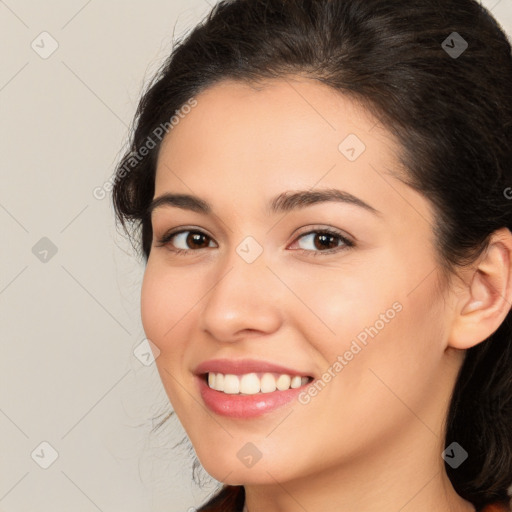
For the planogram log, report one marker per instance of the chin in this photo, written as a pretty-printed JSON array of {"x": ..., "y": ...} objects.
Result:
[{"x": 231, "y": 473}]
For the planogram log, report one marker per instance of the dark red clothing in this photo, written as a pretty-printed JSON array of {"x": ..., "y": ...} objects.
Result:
[{"x": 496, "y": 507}]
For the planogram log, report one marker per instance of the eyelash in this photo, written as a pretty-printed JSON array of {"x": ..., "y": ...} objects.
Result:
[{"x": 347, "y": 244}]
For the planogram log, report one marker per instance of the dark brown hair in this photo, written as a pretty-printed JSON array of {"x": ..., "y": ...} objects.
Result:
[{"x": 452, "y": 115}]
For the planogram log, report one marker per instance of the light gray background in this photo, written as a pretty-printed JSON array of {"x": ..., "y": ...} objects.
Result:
[{"x": 70, "y": 323}]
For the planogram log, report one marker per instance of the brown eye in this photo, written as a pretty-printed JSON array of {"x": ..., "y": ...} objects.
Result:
[
  {"x": 196, "y": 240},
  {"x": 185, "y": 240},
  {"x": 323, "y": 241}
]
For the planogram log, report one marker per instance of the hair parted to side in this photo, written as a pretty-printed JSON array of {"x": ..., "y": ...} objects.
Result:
[{"x": 452, "y": 117}]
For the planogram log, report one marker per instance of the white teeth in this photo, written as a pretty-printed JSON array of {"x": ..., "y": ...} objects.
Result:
[
  {"x": 268, "y": 383},
  {"x": 219, "y": 381},
  {"x": 296, "y": 382},
  {"x": 251, "y": 383},
  {"x": 283, "y": 382},
  {"x": 231, "y": 384}
]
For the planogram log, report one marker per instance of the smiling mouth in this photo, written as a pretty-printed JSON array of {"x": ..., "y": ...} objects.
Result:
[{"x": 254, "y": 383}]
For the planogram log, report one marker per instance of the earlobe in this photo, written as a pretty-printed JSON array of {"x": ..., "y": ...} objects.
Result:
[{"x": 487, "y": 299}]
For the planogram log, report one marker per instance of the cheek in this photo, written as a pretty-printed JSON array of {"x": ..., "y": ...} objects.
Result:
[
  {"x": 337, "y": 304},
  {"x": 152, "y": 306},
  {"x": 166, "y": 299},
  {"x": 398, "y": 349},
  {"x": 376, "y": 310},
  {"x": 166, "y": 303}
]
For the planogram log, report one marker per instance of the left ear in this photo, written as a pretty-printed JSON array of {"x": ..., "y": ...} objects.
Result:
[{"x": 487, "y": 297}]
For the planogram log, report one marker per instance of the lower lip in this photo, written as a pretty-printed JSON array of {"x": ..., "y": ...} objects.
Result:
[{"x": 245, "y": 406}]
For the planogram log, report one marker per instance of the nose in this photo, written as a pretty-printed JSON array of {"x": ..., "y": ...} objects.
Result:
[{"x": 244, "y": 298}]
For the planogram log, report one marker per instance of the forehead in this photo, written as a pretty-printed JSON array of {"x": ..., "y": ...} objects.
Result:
[
  {"x": 272, "y": 120},
  {"x": 243, "y": 144}
]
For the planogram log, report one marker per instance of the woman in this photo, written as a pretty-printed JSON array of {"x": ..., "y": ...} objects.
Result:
[{"x": 323, "y": 194}]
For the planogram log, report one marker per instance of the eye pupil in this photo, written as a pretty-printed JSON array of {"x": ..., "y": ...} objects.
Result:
[
  {"x": 324, "y": 237},
  {"x": 194, "y": 239}
]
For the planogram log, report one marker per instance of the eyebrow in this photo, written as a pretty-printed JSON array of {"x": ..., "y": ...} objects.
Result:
[{"x": 284, "y": 202}]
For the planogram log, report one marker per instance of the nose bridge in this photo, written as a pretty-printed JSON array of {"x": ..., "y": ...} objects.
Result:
[{"x": 241, "y": 297}]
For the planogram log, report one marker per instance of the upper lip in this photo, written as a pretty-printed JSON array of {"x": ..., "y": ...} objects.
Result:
[{"x": 243, "y": 366}]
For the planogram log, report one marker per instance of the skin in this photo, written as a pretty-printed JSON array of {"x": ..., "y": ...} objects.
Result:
[{"x": 374, "y": 435}]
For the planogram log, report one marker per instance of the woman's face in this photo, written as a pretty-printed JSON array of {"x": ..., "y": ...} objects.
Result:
[{"x": 264, "y": 290}]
